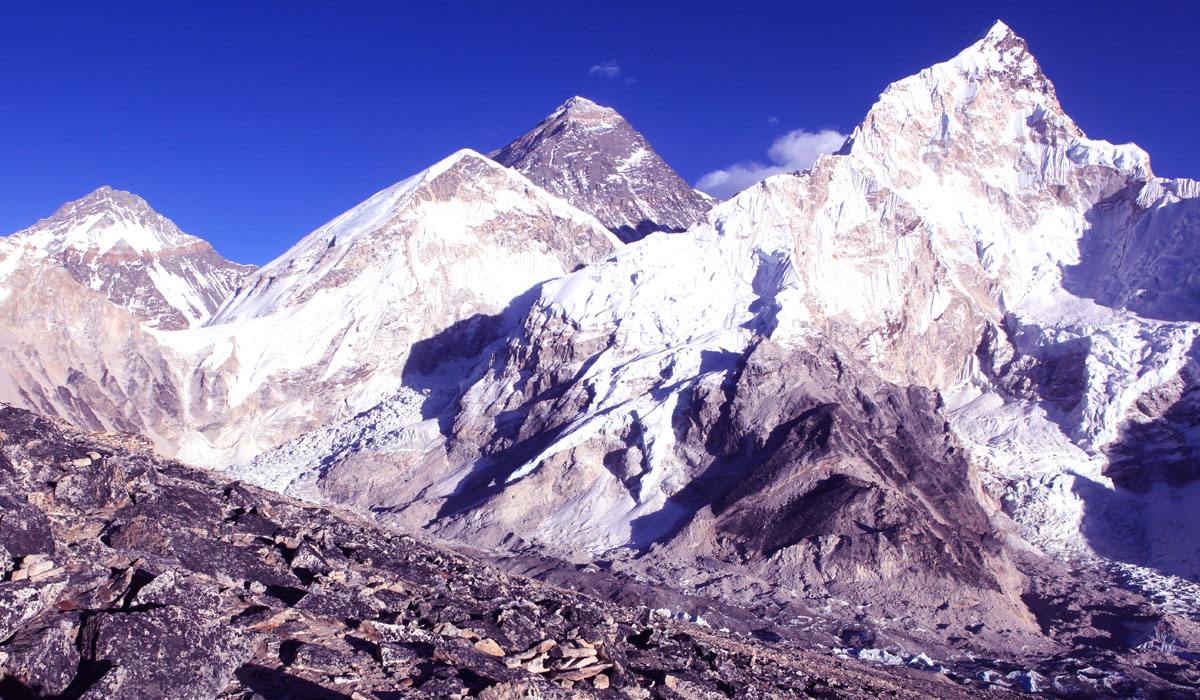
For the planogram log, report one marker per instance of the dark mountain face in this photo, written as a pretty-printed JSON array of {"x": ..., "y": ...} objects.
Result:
[
  {"x": 804, "y": 471},
  {"x": 590, "y": 156},
  {"x": 126, "y": 576}
]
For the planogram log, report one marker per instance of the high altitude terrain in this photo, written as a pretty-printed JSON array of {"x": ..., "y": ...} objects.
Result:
[
  {"x": 898, "y": 392},
  {"x": 131, "y": 577}
]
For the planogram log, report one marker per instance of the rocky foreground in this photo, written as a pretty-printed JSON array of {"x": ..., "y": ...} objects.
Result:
[{"x": 129, "y": 576}]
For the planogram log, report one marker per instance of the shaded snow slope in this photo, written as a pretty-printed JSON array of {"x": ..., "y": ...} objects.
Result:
[
  {"x": 969, "y": 239},
  {"x": 419, "y": 274}
]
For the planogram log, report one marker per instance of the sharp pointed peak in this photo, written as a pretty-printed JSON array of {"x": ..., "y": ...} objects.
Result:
[
  {"x": 582, "y": 109},
  {"x": 104, "y": 218},
  {"x": 579, "y": 102},
  {"x": 998, "y": 31},
  {"x": 456, "y": 157},
  {"x": 591, "y": 156},
  {"x": 1001, "y": 53},
  {"x": 463, "y": 157},
  {"x": 106, "y": 197},
  {"x": 1002, "y": 48}
]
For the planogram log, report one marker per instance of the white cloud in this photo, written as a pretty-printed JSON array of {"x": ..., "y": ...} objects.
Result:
[
  {"x": 606, "y": 69},
  {"x": 795, "y": 150}
]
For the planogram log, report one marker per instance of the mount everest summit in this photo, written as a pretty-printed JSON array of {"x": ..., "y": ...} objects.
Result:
[
  {"x": 591, "y": 157},
  {"x": 964, "y": 342}
]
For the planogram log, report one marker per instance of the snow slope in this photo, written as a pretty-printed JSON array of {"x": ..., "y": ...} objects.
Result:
[
  {"x": 113, "y": 242},
  {"x": 969, "y": 239},
  {"x": 376, "y": 299}
]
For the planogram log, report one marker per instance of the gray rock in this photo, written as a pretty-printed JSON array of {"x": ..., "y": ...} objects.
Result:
[
  {"x": 44, "y": 658},
  {"x": 21, "y": 601},
  {"x": 163, "y": 626},
  {"x": 24, "y": 529},
  {"x": 167, "y": 652},
  {"x": 178, "y": 589},
  {"x": 590, "y": 156},
  {"x": 315, "y": 657}
]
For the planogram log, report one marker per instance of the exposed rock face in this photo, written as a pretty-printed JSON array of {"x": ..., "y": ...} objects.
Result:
[
  {"x": 166, "y": 581},
  {"x": 79, "y": 295},
  {"x": 371, "y": 304},
  {"x": 955, "y": 264},
  {"x": 112, "y": 242},
  {"x": 800, "y": 471},
  {"x": 68, "y": 351},
  {"x": 591, "y": 157},
  {"x": 828, "y": 478}
]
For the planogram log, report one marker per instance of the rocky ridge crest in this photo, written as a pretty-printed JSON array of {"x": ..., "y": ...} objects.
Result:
[
  {"x": 112, "y": 242},
  {"x": 590, "y": 156}
]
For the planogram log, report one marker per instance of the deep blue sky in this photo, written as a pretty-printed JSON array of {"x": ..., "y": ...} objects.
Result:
[{"x": 252, "y": 123}]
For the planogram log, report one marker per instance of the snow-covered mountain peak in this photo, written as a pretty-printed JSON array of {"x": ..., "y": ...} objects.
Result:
[
  {"x": 582, "y": 104},
  {"x": 103, "y": 220},
  {"x": 586, "y": 113},
  {"x": 998, "y": 34},
  {"x": 589, "y": 155},
  {"x": 454, "y": 159},
  {"x": 113, "y": 242},
  {"x": 987, "y": 125},
  {"x": 373, "y": 213},
  {"x": 422, "y": 273},
  {"x": 452, "y": 202},
  {"x": 1001, "y": 50}
]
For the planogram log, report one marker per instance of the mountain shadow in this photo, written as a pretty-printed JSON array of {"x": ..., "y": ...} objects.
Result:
[
  {"x": 1140, "y": 254},
  {"x": 442, "y": 365},
  {"x": 645, "y": 227}
]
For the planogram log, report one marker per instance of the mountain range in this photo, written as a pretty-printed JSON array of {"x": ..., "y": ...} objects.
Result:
[{"x": 929, "y": 391}]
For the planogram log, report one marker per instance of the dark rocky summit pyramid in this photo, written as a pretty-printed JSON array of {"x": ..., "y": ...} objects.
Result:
[{"x": 590, "y": 156}]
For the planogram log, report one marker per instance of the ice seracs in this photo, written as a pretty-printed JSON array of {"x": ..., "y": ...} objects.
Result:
[{"x": 964, "y": 242}]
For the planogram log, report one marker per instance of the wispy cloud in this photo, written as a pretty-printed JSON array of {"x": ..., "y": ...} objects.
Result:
[
  {"x": 795, "y": 150},
  {"x": 606, "y": 69}
]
